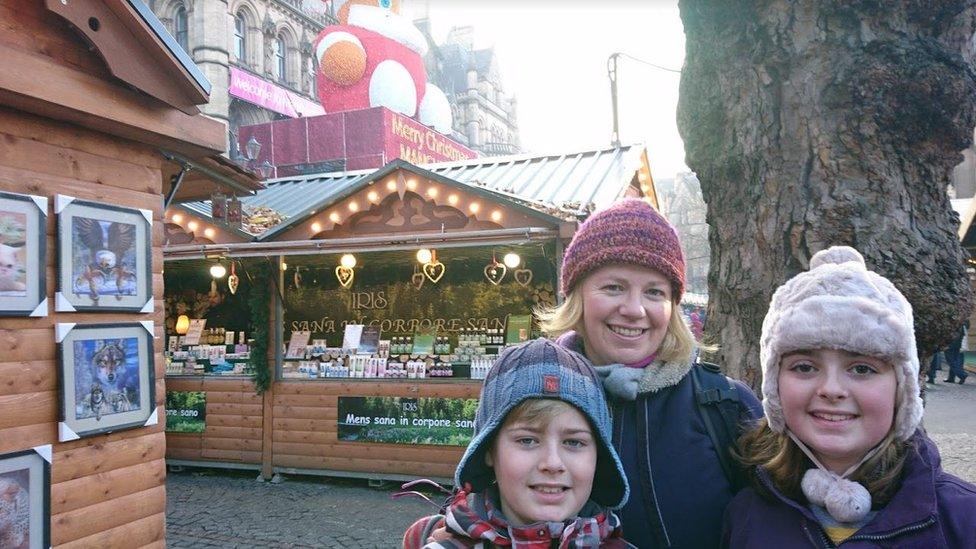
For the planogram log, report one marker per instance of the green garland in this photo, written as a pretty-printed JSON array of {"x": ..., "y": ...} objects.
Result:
[{"x": 259, "y": 303}]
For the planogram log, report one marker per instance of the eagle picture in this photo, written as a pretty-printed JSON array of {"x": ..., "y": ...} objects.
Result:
[{"x": 104, "y": 258}]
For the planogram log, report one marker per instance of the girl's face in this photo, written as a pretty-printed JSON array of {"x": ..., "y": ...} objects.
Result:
[
  {"x": 544, "y": 472},
  {"x": 626, "y": 310},
  {"x": 840, "y": 404}
]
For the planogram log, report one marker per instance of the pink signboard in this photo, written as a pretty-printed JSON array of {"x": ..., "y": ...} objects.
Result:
[
  {"x": 265, "y": 94},
  {"x": 417, "y": 144}
]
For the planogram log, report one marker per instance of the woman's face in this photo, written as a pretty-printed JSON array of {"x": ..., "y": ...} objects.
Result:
[{"x": 626, "y": 310}]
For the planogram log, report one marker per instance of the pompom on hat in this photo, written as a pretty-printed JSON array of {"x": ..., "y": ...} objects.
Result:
[
  {"x": 542, "y": 369},
  {"x": 630, "y": 232},
  {"x": 840, "y": 304}
]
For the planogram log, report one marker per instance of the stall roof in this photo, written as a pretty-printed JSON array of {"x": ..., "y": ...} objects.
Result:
[
  {"x": 555, "y": 188},
  {"x": 578, "y": 182},
  {"x": 204, "y": 176}
]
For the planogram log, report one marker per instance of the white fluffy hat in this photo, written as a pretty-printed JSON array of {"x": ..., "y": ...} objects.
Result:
[{"x": 840, "y": 304}]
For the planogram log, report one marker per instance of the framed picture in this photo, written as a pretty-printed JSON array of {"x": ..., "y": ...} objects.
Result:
[
  {"x": 107, "y": 378},
  {"x": 25, "y": 501},
  {"x": 23, "y": 245},
  {"x": 104, "y": 257}
]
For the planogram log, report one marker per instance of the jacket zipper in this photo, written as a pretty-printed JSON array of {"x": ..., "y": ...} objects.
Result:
[
  {"x": 875, "y": 537},
  {"x": 650, "y": 476},
  {"x": 904, "y": 530}
]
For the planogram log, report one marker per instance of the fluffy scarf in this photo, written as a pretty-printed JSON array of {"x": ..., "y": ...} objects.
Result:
[
  {"x": 476, "y": 520},
  {"x": 625, "y": 382}
]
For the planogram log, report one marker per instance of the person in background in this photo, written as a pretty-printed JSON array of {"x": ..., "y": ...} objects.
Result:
[
  {"x": 956, "y": 357},
  {"x": 623, "y": 276},
  {"x": 540, "y": 471},
  {"x": 840, "y": 459},
  {"x": 935, "y": 365}
]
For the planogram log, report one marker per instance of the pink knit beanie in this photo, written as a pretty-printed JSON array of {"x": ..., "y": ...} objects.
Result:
[{"x": 632, "y": 232}]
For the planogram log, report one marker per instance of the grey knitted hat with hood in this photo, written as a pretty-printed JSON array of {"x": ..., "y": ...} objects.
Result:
[{"x": 543, "y": 369}]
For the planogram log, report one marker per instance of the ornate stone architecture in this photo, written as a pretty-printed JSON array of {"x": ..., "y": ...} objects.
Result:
[
  {"x": 484, "y": 115},
  {"x": 265, "y": 44}
]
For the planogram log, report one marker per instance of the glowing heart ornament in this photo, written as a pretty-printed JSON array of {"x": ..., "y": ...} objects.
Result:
[
  {"x": 434, "y": 269},
  {"x": 523, "y": 276},
  {"x": 495, "y": 271},
  {"x": 345, "y": 276},
  {"x": 233, "y": 280}
]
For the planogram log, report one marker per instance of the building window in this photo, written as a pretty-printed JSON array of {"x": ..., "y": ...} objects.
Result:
[
  {"x": 240, "y": 38},
  {"x": 182, "y": 33},
  {"x": 281, "y": 71}
]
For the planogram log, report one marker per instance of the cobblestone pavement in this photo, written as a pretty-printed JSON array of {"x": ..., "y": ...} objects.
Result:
[
  {"x": 208, "y": 508},
  {"x": 950, "y": 419}
]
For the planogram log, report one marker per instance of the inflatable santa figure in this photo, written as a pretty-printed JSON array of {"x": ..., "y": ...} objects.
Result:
[{"x": 374, "y": 58}]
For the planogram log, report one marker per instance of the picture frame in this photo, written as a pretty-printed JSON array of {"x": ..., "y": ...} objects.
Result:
[
  {"x": 23, "y": 255},
  {"x": 107, "y": 377},
  {"x": 104, "y": 257},
  {"x": 25, "y": 486}
]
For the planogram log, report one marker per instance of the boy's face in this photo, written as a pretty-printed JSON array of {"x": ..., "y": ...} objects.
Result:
[
  {"x": 544, "y": 472},
  {"x": 840, "y": 404}
]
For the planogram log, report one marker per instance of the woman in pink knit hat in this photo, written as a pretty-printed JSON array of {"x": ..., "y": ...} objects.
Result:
[{"x": 622, "y": 277}]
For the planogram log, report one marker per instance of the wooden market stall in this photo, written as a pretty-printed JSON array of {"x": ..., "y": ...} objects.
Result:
[
  {"x": 396, "y": 425},
  {"x": 91, "y": 93}
]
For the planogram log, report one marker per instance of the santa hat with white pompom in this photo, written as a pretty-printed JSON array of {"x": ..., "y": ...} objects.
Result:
[{"x": 840, "y": 304}]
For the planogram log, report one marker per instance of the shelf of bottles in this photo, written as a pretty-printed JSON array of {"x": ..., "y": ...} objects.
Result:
[
  {"x": 464, "y": 355},
  {"x": 219, "y": 352}
]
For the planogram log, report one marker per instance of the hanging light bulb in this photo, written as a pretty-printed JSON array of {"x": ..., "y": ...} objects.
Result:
[
  {"x": 512, "y": 260},
  {"x": 217, "y": 270},
  {"x": 348, "y": 261},
  {"x": 424, "y": 256},
  {"x": 182, "y": 324}
]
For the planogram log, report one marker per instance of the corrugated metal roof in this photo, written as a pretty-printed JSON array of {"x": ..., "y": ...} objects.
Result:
[
  {"x": 574, "y": 184},
  {"x": 567, "y": 181}
]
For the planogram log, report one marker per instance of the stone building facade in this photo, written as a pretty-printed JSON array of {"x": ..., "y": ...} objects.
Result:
[
  {"x": 268, "y": 42},
  {"x": 682, "y": 204},
  {"x": 485, "y": 117}
]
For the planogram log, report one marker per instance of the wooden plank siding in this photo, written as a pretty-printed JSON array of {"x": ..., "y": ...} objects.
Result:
[
  {"x": 304, "y": 436},
  {"x": 106, "y": 490},
  {"x": 235, "y": 420}
]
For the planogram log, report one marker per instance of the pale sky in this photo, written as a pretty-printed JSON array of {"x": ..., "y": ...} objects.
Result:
[{"x": 553, "y": 58}]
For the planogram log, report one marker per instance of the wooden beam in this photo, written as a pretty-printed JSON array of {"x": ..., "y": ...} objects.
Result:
[{"x": 39, "y": 85}]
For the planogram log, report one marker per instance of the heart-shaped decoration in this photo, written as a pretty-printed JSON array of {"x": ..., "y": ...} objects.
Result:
[
  {"x": 418, "y": 280},
  {"x": 523, "y": 276},
  {"x": 345, "y": 276},
  {"x": 495, "y": 272},
  {"x": 434, "y": 270},
  {"x": 232, "y": 282}
]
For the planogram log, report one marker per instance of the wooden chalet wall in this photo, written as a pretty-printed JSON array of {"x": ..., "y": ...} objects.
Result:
[
  {"x": 106, "y": 490},
  {"x": 235, "y": 419},
  {"x": 305, "y": 415}
]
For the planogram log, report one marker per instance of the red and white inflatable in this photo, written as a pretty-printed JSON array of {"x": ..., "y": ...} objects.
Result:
[{"x": 374, "y": 58}]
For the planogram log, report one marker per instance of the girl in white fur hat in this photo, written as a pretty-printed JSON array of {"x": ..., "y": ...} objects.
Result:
[{"x": 840, "y": 458}]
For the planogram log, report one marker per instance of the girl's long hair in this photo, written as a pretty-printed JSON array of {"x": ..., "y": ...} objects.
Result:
[{"x": 786, "y": 464}]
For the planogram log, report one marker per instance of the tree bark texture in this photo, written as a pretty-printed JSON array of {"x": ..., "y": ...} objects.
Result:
[{"x": 812, "y": 123}]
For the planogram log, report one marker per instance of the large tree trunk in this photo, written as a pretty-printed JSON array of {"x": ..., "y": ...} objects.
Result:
[{"x": 820, "y": 122}]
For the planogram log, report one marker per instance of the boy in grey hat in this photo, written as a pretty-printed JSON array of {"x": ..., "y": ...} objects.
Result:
[{"x": 541, "y": 469}]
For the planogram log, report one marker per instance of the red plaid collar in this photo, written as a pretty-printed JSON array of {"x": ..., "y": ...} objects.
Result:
[{"x": 478, "y": 518}]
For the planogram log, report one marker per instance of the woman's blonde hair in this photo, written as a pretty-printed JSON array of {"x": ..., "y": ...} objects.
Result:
[
  {"x": 678, "y": 345},
  {"x": 786, "y": 463}
]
